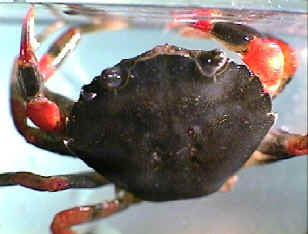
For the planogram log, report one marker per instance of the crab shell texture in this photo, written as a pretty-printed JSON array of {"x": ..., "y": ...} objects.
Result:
[{"x": 170, "y": 123}]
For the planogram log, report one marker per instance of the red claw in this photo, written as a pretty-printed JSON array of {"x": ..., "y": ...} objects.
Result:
[
  {"x": 265, "y": 59},
  {"x": 273, "y": 60},
  {"x": 45, "y": 114},
  {"x": 52, "y": 59},
  {"x": 290, "y": 58},
  {"x": 46, "y": 67},
  {"x": 26, "y": 55}
]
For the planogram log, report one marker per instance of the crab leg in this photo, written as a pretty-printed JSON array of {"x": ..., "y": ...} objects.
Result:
[
  {"x": 56, "y": 54},
  {"x": 53, "y": 183},
  {"x": 50, "y": 29},
  {"x": 27, "y": 82},
  {"x": 64, "y": 220},
  {"x": 30, "y": 99},
  {"x": 279, "y": 145},
  {"x": 31, "y": 74},
  {"x": 64, "y": 45},
  {"x": 273, "y": 60}
]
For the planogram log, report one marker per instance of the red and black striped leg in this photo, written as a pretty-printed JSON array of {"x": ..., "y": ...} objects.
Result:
[
  {"x": 65, "y": 220},
  {"x": 276, "y": 146},
  {"x": 279, "y": 145},
  {"x": 52, "y": 28},
  {"x": 30, "y": 99},
  {"x": 271, "y": 59},
  {"x": 27, "y": 88},
  {"x": 53, "y": 183}
]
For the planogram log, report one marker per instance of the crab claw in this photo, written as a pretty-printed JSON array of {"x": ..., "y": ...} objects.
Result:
[
  {"x": 28, "y": 41},
  {"x": 290, "y": 57},
  {"x": 43, "y": 113},
  {"x": 29, "y": 77},
  {"x": 265, "y": 59}
]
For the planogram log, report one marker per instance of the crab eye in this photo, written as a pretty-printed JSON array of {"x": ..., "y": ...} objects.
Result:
[
  {"x": 111, "y": 78},
  {"x": 211, "y": 62}
]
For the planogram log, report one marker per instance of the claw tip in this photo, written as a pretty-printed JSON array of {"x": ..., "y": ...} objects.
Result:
[{"x": 27, "y": 42}]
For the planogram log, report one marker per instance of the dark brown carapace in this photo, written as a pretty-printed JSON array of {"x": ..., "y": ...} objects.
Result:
[{"x": 164, "y": 121}]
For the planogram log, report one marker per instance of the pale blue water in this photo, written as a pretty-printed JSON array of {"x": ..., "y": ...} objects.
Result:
[{"x": 266, "y": 200}]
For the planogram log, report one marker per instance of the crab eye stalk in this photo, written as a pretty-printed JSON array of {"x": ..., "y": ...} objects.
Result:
[
  {"x": 111, "y": 78},
  {"x": 211, "y": 62}
]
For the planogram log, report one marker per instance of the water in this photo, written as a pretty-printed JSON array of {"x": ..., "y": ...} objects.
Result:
[{"x": 271, "y": 199}]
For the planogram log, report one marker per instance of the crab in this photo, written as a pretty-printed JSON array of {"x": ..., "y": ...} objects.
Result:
[{"x": 169, "y": 124}]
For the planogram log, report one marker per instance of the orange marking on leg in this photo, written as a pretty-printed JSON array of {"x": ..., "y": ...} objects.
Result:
[
  {"x": 229, "y": 184},
  {"x": 201, "y": 19},
  {"x": 45, "y": 114},
  {"x": 53, "y": 184},
  {"x": 298, "y": 145},
  {"x": 72, "y": 217},
  {"x": 109, "y": 208},
  {"x": 46, "y": 68},
  {"x": 64, "y": 220},
  {"x": 204, "y": 25},
  {"x": 41, "y": 183},
  {"x": 59, "y": 50},
  {"x": 265, "y": 59}
]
